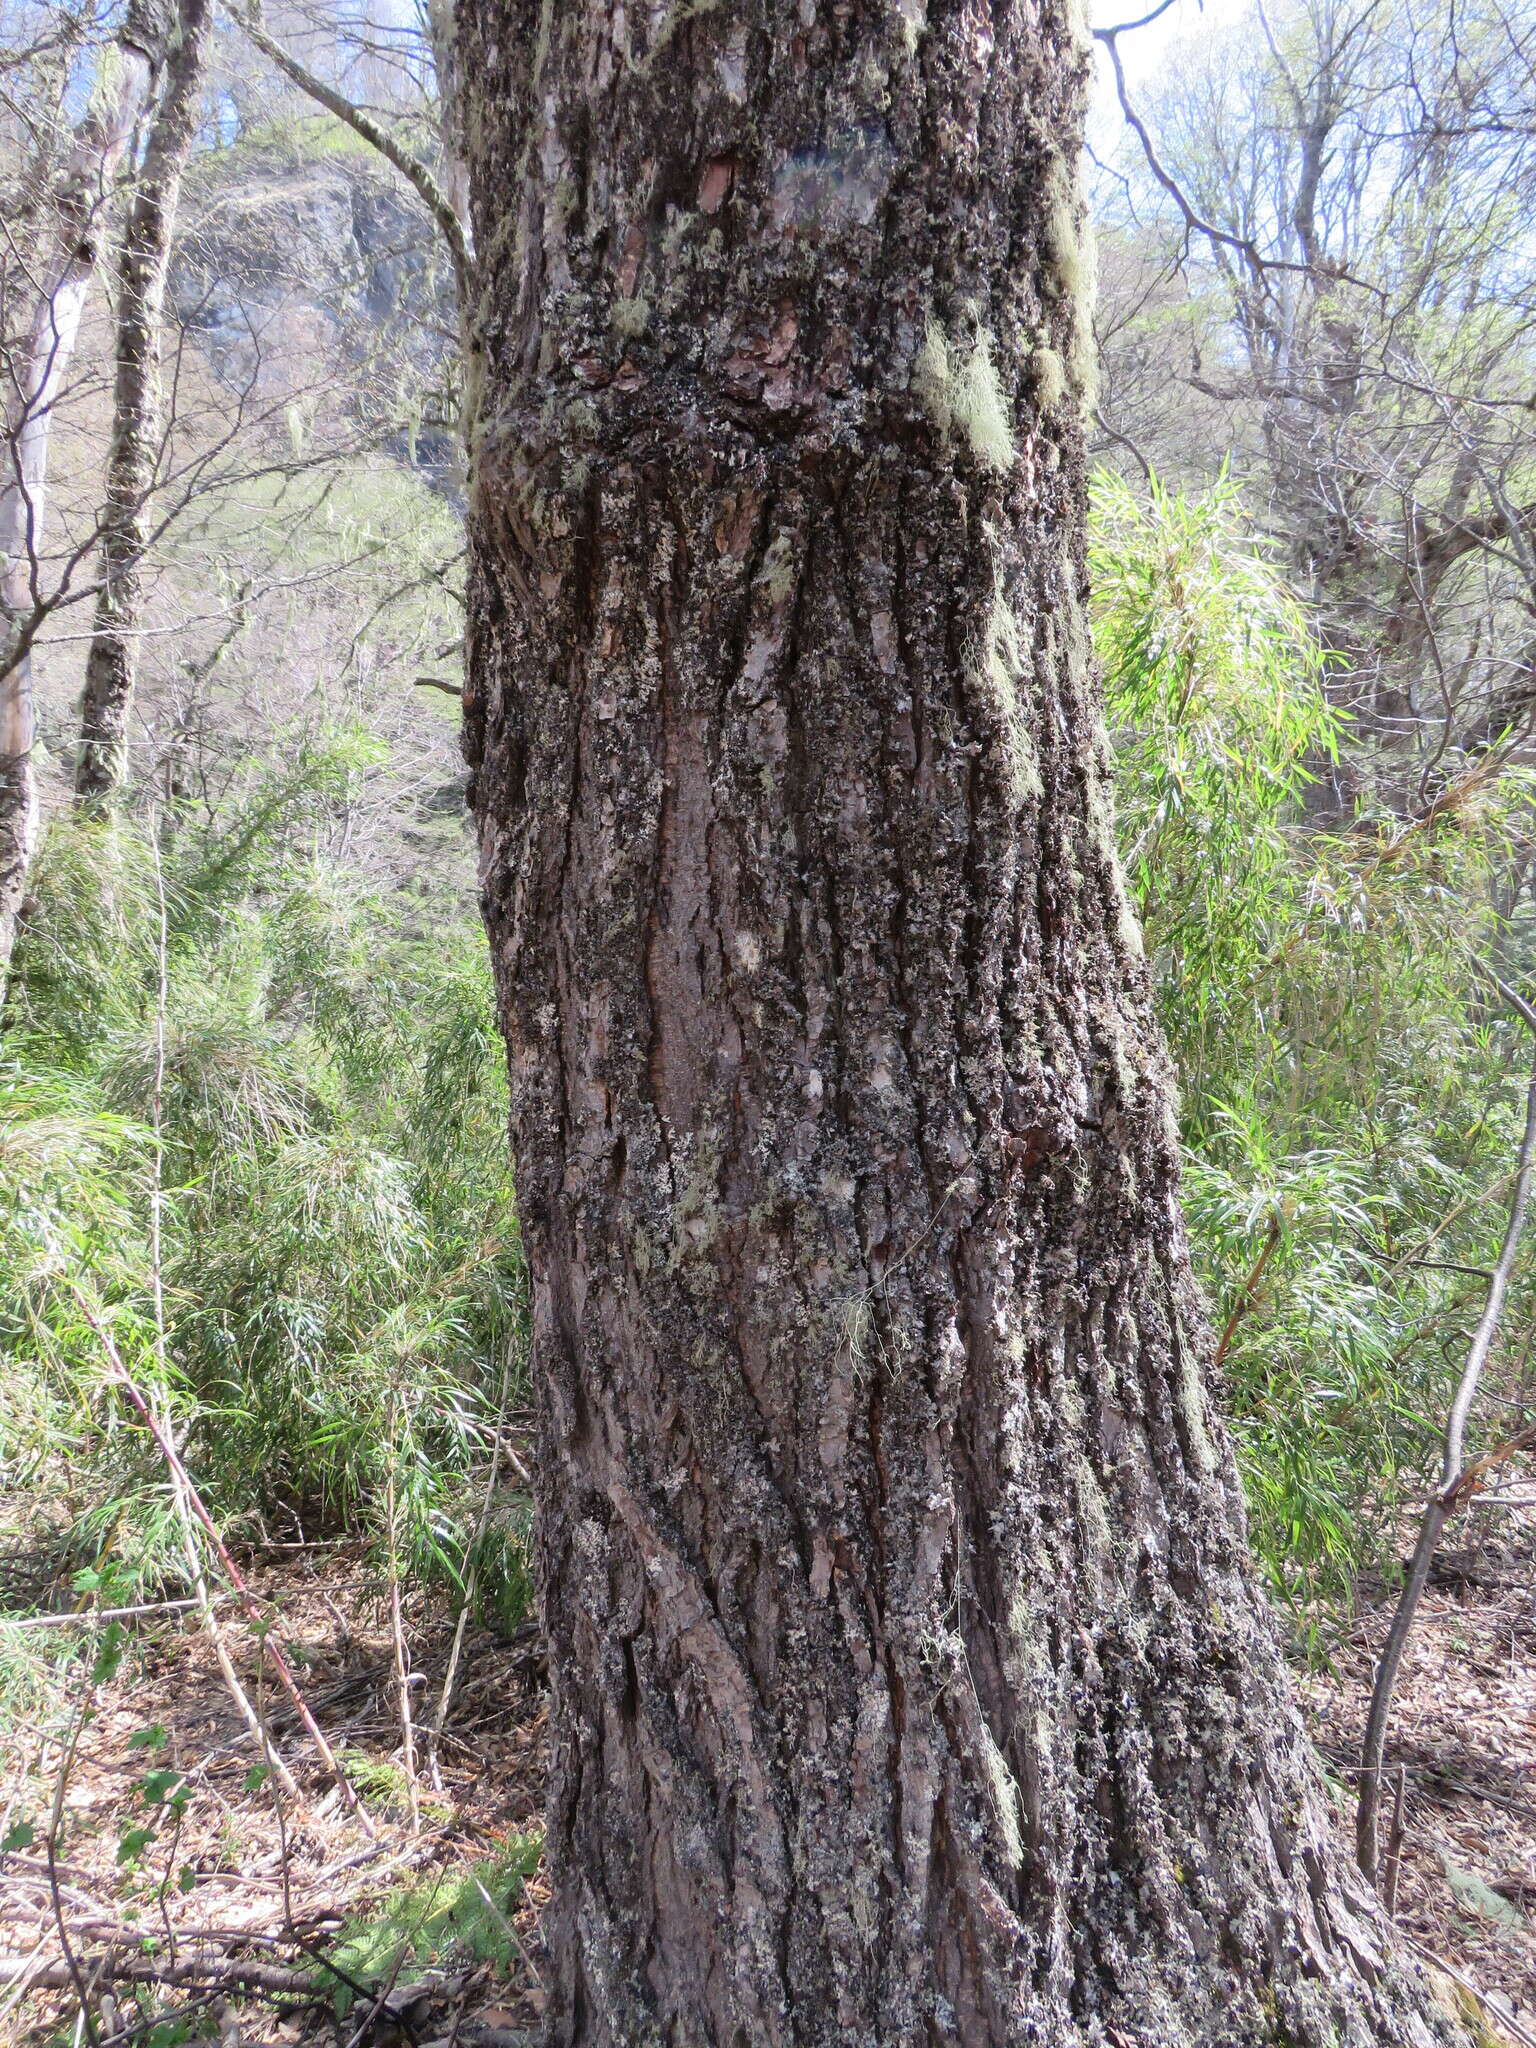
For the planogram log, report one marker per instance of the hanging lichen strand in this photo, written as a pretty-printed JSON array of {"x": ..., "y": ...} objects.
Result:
[{"x": 908, "y": 1682}]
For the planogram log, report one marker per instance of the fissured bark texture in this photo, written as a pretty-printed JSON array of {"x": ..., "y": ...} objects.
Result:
[{"x": 909, "y": 1685}]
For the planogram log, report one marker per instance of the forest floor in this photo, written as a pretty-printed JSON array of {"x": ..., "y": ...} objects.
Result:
[
  {"x": 1464, "y": 1730},
  {"x": 431, "y": 1930}
]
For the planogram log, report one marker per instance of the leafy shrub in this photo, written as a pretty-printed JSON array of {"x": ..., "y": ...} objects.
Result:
[
  {"x": 222, "y": 1043},
  {"x": 1350, "y": 1107}
]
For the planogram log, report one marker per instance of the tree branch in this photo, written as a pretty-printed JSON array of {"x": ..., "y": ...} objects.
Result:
[
  {"x": 1455, "y": 1474},
  {"x": 410, "y": 167}
]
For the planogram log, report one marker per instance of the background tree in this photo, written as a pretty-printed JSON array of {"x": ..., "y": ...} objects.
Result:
[
  {"x": 45, "y": 297},
  {"x": 1342, "y": 193},
  {"x": 138, "y": 406},
  {"x": 907, "y": 1679}
]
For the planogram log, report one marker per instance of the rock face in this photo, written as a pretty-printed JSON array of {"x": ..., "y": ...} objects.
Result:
[{"x": 313, "y": 285}]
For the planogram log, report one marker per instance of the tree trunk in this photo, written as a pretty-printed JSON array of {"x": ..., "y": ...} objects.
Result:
[
  {"x": 81, "y": 205},
  {"x": 909, "y": 1681},
  {"x": 112, "y": 663}
]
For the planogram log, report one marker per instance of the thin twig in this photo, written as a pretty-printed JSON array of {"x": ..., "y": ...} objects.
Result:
[
  {"x": 1505, "y": 2019},
  {"x": 1453, "y": 1476},
  {"x": 410, "y": 166},
  {"x": 243, "y": 1592},
  {"x": 379, "y": 1999},
  {"x": 24, "y": 1979},
  {"x": 455, "y": 1651},
  {"x": 55, "y": 1822},
  {"x": 95, "y": 1614},
  {"x": 511, "y": 1933},
  {"x": 397, "y": 1631},
  {"x": 180, "y": 1484}
]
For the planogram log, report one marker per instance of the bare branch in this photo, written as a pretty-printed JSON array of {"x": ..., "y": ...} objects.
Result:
[{"x": 410, "y": 167}]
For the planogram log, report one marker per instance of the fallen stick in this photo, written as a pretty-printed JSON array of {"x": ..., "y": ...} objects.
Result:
[
  {"x": 90, "y": 1614},
  {"x": 1496, "y": 2013},
  {"x": 124, "y": 1968}
]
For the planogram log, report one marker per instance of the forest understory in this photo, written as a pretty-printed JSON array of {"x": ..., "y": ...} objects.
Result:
[
  {"x": 430, "y": 1933},
  {"x": 270, "y": 1356}
]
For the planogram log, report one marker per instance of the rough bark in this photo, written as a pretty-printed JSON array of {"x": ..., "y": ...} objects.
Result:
[
  {"x": 36, "y": 368},
  {"x": 909, "y": 1683},
  {"x": 138, "y": 411}
]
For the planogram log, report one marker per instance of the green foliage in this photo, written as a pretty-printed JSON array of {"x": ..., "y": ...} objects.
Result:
[
  {"x": 314, "y": 1114},
  {"x": 1215, "y": 688},
  {"x": 464, "y": 1910},
  {"x": 1350, "y": 1107}
]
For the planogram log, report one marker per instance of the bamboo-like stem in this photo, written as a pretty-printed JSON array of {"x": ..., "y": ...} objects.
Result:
[
  {"x": 1248, "y": 1292},
  {"x": 435, "y": 1734},
  {"x": 55, "y": 1820},
  {"x": 179, "y": 1490},
  {"x": 397, "y": 1631},
  {"x": 439, "y": 1719},
  {"x": 246, "y": 1597}
]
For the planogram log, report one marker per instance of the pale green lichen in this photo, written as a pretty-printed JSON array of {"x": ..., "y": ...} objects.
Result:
[
  {"x": 858, "y": 1322},
  {"x": 1063, "y": 240},
  {"x": 1070, "y": 269},
  {"x": 1078, "y": 26},
  {"x": 563, "y": 200},
  {"x": 874, "y": 79},
  {"x": 696, "y": 1214},
  {"x": 675, "y": 233},
  {"x": 674, "y": 19},
  {"x": 777, "y": 576},
  {"x": 107, "y": 84},
  {"x": 1050, "y": 374},
  {"x": 1101, "y": 829},
  {"x": 1084, "y": 362},
  {"x": 543, "y": 38},
  {"x": 913, "y": 17},
  {"x": 1092, "y": 1515},
  {"x": 980, "y": 409},
  {"x": 1000, "y": 671},
  {"x": 629, "y": 318},
  {"x": 1006, "y": 1800},
  {"x": 1067, "y": 1400},
  {"x": 472, "y": 420},
  {"x": 957, "y": 385},
  {"x": 1201, "y": 1450},
  {"x": 1124, "y": 1058},
  {"x": 930, "y": 374}
]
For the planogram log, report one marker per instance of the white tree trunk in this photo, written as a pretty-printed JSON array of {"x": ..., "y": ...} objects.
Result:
[{"x": 80, "y": 209}]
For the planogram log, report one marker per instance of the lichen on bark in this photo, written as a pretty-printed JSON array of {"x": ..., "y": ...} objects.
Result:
[{"x": 909, "y": 1682}]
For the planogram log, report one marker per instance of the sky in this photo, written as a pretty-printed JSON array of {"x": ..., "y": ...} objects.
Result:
[{"x": 1145, "y": 52}]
